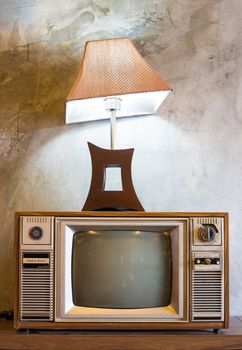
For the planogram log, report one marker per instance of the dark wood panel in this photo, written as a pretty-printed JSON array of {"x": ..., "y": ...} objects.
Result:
[
  {"x": 227, "y": 340},
  {"x": 124, "y": 326},
  {"x": 121, "y": 213}
]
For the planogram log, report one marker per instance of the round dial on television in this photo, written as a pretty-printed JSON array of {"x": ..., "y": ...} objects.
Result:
[
  {"x": 208, "y": 233},
  {"x": 36, "y": 232}
]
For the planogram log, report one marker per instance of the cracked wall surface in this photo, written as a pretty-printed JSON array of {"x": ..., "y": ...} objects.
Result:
[{"x": 187, "y": 158}]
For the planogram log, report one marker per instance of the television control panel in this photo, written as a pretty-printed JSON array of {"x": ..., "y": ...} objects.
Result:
[
  {"x": 207, "y": 268},
  {"x": 36, "y": 268},
  {"x": 206, "y": 233}
]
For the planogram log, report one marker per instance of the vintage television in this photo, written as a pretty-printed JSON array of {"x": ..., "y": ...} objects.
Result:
[{"x": 121, "y": 270}]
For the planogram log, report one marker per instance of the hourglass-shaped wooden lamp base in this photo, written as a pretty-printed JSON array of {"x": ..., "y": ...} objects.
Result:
[{"x": 100, "y": 199}]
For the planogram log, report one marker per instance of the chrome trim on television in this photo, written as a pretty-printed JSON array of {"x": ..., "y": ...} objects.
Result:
[{"x": 66, "y": 311}]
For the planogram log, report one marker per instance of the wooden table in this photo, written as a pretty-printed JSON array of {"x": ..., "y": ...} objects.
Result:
[{"x": 180, "y": 340}]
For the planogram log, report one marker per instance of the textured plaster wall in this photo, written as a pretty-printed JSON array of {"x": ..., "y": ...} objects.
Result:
[{"x": 187, "y": 158}]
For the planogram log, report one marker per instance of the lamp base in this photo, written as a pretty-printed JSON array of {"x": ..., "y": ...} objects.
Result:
[{"x": 100, "y": 199}]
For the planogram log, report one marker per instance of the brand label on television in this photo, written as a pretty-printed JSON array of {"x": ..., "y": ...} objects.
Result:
[{"x": 36, "y": 260}]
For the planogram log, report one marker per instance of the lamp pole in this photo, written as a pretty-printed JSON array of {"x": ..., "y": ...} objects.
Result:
[{"x": 112, "y": 105}]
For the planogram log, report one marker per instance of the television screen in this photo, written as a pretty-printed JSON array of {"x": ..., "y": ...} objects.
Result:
[{"x": 121, "y": 269}]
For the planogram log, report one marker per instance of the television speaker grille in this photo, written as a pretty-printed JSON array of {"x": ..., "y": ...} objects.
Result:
[
  {"x": 207, "y": 298},
  {"x": 36, "y": 288}
]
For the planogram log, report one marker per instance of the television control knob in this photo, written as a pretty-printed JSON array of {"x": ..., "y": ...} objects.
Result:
[
  {"x": 36, "y": 232},
  {"x": 207, "y": 261},
  {"x": 198, "y": 261},
  {"x": 208, "y": 232}
]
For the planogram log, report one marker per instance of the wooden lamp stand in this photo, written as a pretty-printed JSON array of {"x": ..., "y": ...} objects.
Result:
[{"x": 100, "y": 199}]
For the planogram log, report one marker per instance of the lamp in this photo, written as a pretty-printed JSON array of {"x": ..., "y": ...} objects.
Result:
[{"x": 113, "y": 81}]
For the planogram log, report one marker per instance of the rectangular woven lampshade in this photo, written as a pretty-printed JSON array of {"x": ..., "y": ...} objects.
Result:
[{"x": 114, "y": 68}]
